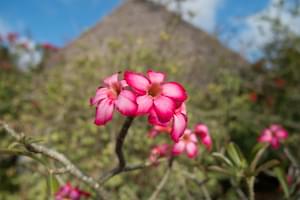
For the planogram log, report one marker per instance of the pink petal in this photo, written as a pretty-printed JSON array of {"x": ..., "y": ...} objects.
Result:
[
  {"x": 191, "y": 150},
  {"x": 206, "y": 141},
  {"x": 164, "y": 108},
  {"x": 178, "y": 148},
  {"x": 193, "y": 138},
  {"x": 179, "y": 125},
  {"x": 126, "y": 103},
  {"x": 144, "y": 104},
  {"x": 201, "y": 130},
  {"x": 104, "y": 112},
  {"x": 275, "y": 127},
  {"x": 101, "y": 93},
  {"x": 137, "y": 81},
  {"x": 174, "y": 90},
  {"x": 111, "y": 80},
  {"x": 281, "y": 134},
  {"x": 153, "y": 133},
  {"x": 123, "y": 83},
  {"x": 275, "y": 143},
  {"x": 156, "y": 77},
  {"x": 266, "y": 136},
  {"x": 181, "y": 108},
  {"x": 163, "y": 149},
  {"x": 153, "y": 119}
]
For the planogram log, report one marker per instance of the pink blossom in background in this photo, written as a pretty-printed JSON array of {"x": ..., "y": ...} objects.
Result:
[
  {"x": 253, "y": 96},
  {"x": 113, "y": 95},
  {"x": 69, "y": 192},
  {"x": 202, "y": 131},
  {"x": 155, "y": 95},
  {"x": 187, "y": 143},
  {"x": 157, "y": 129},
  {"x": 49, "y": 47},
  {"x": 273, "y": 135},
  {"x": 159, "y": 151}
]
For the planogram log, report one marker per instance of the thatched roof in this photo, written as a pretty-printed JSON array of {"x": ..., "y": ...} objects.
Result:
[{"x": 141, "y": 22}]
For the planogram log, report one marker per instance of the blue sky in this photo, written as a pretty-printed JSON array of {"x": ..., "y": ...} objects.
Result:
[
  {"x": 56, "y": 21},
  {"x": 60, "y": 21}
]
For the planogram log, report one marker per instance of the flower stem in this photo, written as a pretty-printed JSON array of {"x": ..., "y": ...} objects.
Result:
[
  {"x": 250, "y": 184},
  {"x": 120, "y": 141}
]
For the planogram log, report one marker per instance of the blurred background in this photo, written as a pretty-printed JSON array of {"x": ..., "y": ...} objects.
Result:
[{"x": 239, "y": 60}]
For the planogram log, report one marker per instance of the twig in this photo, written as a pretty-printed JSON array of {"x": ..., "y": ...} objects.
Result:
[
  {"x": 35, "y": 148},
  {"x": 120, "y": 141},
  {"x": 127, "y": 168},
  {"x": 62, "y": 170},
  {"x": 160, "y": 185},
  {"x": 119, "y": 152},
  {"x": 196, "y": 180}
]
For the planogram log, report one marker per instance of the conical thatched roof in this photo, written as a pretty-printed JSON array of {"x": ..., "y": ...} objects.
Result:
[{"x": 139, "y": 23}]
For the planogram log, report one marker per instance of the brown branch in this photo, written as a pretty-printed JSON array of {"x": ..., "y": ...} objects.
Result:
[
  {"x": 62, "y": 170},
  {"x": 121, "y": 167},
  {"x": 36, "y": 148},
  {"x": 127, "y": 168},
  {"x": 120, "y": 141}
]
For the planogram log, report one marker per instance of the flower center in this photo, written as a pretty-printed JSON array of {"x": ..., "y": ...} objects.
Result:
[
  {"x": 154, "y": 90},
  {"x": 186, "y": 138},
  {"x": 115, "y": 90}
]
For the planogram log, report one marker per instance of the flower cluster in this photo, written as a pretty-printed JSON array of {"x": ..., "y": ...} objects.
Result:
[
  {"x": 137, "y": 94},
  {"x": 69, "y": 192},
  {"x": 162, "y": 102},
  {"x": 273, "y": 135},
  {"x": 187, "y": 142}
]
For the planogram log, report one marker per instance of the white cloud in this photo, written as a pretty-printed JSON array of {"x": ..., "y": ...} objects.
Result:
[
  {"x": 203, "y": 12},
  {"x": 257, "y": 32}
]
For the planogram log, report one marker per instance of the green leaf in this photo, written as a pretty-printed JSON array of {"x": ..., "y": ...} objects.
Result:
[
  {"x": 257, "y": 157},
  {"x": 222, "y": 158},
  {"x": 283, "y": 182},
  {"x": 236, "y": 155},
  {"x": 267, "y": 165}
]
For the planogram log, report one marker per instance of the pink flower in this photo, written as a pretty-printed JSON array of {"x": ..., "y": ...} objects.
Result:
[
  {"x": 156, "y": 95},
  {"x": 69, "y": 192},
  {"x": 157, "y": 152},
  {"x": 178, "y": 122},
  {"x": 113, "y": 95},
  {"x": 202, "y": 131},
  {"x": 188, "y": 143},
  {"x": 273, "y": 135}
]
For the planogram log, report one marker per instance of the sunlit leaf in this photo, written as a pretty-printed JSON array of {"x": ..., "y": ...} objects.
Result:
[{"x": 282, "y": 180}]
